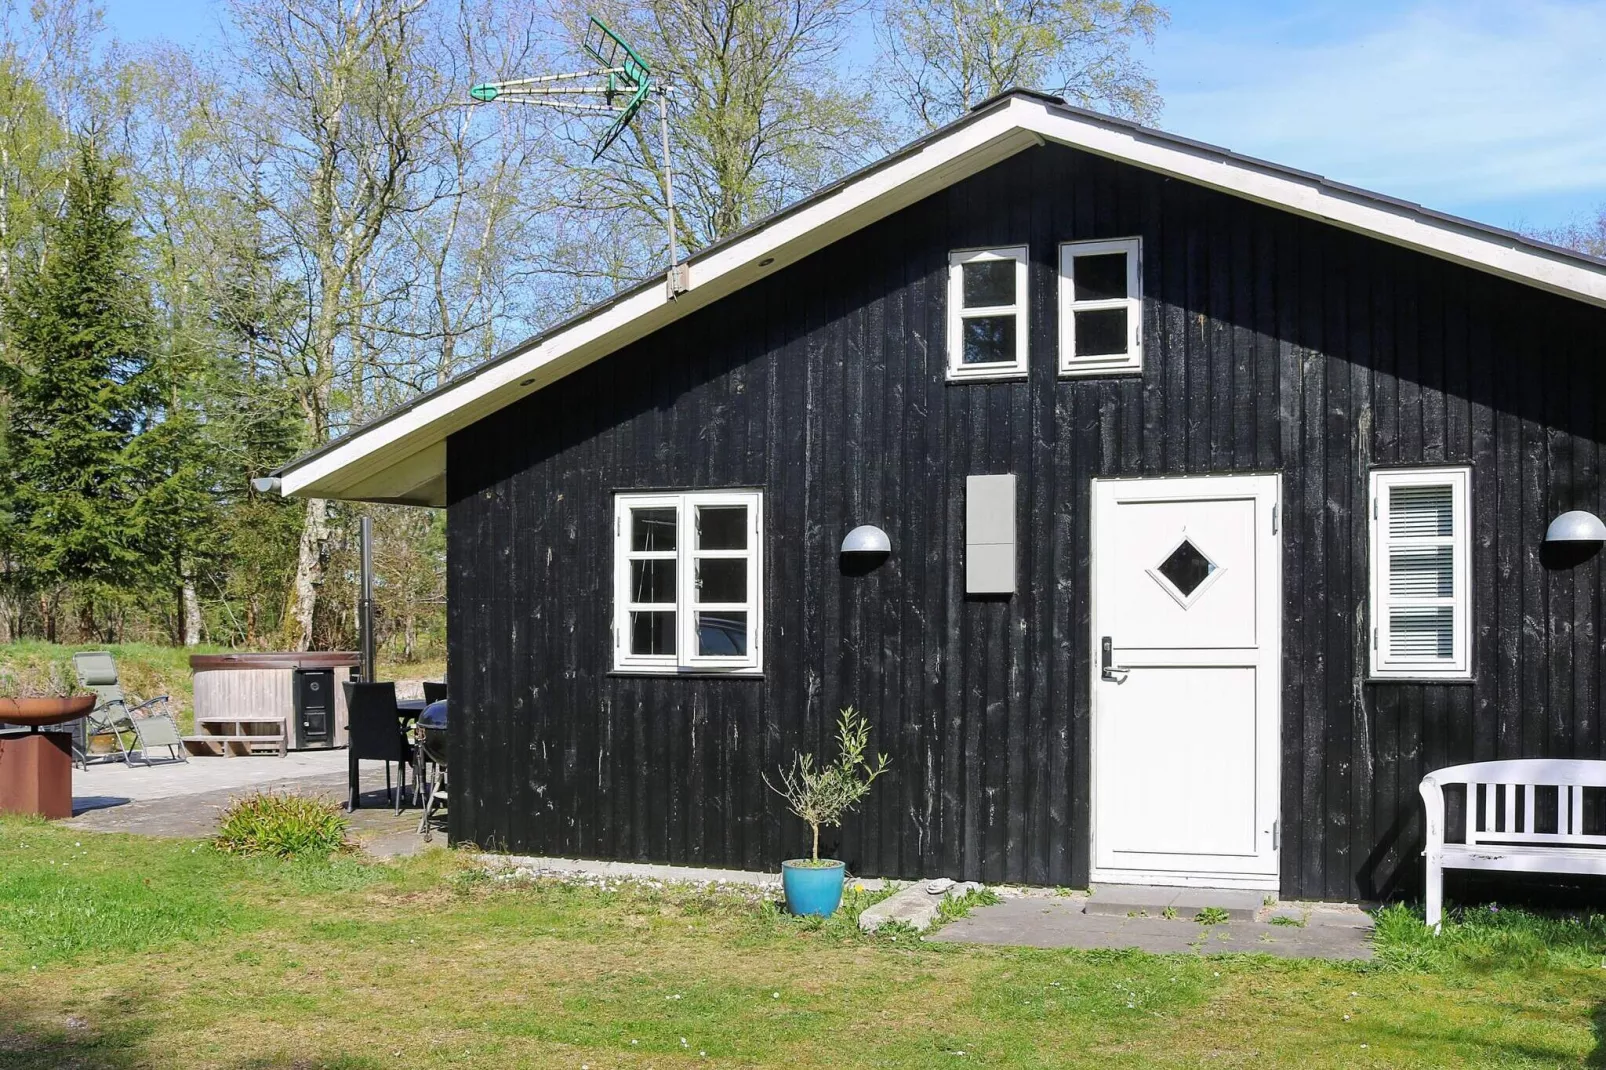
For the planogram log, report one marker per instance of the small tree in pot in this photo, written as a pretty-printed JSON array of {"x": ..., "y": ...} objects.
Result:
[{"x": 820, "y": 795}]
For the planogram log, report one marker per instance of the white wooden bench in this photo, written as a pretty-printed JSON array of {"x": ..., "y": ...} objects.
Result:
[{"x": 1504, "y": 810}]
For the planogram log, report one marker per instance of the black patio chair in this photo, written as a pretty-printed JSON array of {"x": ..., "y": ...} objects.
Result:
[
  {"x": 434, "y": 691},
  {"x": 375, "y": 734}
]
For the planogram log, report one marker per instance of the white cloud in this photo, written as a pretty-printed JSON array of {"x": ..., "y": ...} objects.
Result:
[{"x": 1478, "y": 104}]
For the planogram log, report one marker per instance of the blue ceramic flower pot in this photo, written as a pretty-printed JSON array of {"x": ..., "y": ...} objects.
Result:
[{"x": 813, "y": 888}]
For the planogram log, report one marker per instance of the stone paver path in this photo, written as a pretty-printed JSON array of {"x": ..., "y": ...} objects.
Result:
[{"x": 1328, "y": 932}]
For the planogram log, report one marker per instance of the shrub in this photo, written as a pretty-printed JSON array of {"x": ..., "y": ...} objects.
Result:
[
  {"x": 285, "y": 826},
  {"x": 51, "y": 679}
]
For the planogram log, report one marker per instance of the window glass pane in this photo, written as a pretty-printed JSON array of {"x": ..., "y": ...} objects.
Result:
[
  {"x": 1422, "y": 633},
  {"x": 1187, "y": 568},
  {"x": 1099, "y": 278},
  {"x": 1101, "y": 333},
  {"x": 989, "y": 340},
  {"x": 722, "y": 527},
  {"x": 722, "y": 634},
  {"x": 652, "y": 632},
  {"x": 1422, "y": 572},
  {"x": 988, "y": 283},
  {"x": 1418, "y": 511},
  {"x": 722, "y": 579},
  {"x": 652, "y": 529},
  {"x": 652, "y": 581}
]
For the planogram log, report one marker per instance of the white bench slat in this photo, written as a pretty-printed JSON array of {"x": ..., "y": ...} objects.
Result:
[{"x": 1524, "y": 858}]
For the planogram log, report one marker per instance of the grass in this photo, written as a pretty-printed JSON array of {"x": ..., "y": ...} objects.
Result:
[
  {"x": 149, "y": 669},
  {"x": 125, "y": 952}
]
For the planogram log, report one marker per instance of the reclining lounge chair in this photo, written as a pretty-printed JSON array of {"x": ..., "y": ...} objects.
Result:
[{"x": 112, "y": 716}]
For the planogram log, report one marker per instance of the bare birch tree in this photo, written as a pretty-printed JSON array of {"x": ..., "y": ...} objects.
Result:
[
  {"x": 1588, "y": 237},
  {"x": 949, "y": 56}
]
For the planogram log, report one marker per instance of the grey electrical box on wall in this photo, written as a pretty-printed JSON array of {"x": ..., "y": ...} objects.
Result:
[{"x": 990, "y": 534}]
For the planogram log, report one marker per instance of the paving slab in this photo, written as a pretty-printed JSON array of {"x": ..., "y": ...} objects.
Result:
[
  {"x": 916, "y": 905},
  {"x": 375, "y": 825},
  {"x": 113, "y": 783},
  {"x": 1121, "y": 900},
  {"x": 1061, "y": 923}
]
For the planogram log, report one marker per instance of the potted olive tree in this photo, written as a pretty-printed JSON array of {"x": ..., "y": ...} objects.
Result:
[{"x": 820, "y": 795}]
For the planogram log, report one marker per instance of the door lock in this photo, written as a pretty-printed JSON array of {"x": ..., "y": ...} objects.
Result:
[{"x": 1106, "y": 670}]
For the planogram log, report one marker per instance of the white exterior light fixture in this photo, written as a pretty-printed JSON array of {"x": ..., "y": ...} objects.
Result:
[
  {"x": 867, "y": 539},
  {"x": 1576, "y": 526}
]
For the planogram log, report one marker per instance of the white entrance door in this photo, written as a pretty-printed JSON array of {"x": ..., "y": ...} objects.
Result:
[{"x": 1187, "y": 629}]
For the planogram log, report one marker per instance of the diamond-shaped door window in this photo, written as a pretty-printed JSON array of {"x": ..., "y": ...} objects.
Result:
[{"x": 1186, "y": 572}]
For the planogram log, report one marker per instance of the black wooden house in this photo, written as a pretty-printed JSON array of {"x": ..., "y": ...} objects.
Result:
[{"x": 1216, "y": 496}]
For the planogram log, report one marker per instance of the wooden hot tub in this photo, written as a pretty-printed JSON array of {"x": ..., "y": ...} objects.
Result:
[{"x": 245, "y": 703}]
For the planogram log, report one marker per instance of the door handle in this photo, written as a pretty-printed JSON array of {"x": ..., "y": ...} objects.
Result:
[{"x": 1106, "y": 670}]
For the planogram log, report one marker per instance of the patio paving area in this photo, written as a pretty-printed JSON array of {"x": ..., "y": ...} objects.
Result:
[{"x": 185, "y": 799}]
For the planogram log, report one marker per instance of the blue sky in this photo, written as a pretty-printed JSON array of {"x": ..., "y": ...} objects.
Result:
[{"x": 1491, "y": 109}]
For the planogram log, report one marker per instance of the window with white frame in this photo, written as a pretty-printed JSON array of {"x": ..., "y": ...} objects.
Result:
[
  {"x": 1101, "y": 307},
  {"x": 987, "y": 313},
  {"x": 686, "y": 581},
  {"x": 1421, "y": 574}
]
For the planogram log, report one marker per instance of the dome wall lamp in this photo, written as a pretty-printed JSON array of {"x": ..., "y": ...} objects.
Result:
[
  {"x": 1576, "y": 526},
  {"x": 867, "y": 539}
]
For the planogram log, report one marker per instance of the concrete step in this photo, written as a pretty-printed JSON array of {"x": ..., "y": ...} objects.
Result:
[{"x": 1151, "y": 901}]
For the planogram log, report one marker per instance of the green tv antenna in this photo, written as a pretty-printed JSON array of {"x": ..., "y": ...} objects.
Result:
[{"x": 617, "y": 88}]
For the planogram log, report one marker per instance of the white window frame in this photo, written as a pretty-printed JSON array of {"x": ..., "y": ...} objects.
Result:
[
  {"x": 1111, "y": 364},
  {"x": 686, "y": 607},
  {"x": 1459, "y": 667},
  {"x": 958, "y": 370}
]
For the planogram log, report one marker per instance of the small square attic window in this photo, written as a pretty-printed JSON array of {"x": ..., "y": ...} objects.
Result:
[
  {"x": 987, "y": 313},
  {"x": 1101, "y": 307}
]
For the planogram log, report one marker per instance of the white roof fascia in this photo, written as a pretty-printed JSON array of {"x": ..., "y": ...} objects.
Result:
[{"x": 1309, "y": 196}]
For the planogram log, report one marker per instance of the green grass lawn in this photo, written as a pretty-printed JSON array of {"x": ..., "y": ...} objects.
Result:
[{"x": 118, "y": 951}]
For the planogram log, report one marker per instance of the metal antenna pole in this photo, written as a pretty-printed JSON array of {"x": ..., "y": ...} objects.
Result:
[
  {"x": 677, "y": 281},
  {"x": 365, "y": 604},
  {"x": 628, "y": 79}
]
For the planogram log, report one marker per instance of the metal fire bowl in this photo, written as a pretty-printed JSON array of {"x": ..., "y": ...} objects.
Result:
[{"x": 40, "y": 712}]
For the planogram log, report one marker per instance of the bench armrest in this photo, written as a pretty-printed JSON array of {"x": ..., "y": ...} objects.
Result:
[{"x": 1433, "y": 802}]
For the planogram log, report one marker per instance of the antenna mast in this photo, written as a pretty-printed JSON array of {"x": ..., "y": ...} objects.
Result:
[{"x": 625, "y": 83}]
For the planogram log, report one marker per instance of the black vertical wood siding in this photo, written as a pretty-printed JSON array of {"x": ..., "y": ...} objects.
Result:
[{"x": 1272, "y": 343}]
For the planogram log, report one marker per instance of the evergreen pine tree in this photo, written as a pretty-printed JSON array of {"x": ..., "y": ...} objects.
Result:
[{"x": 83, "y": 388}]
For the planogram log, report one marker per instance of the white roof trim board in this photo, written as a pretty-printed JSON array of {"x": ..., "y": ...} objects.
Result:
[{"x": 402, "y": 456}]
